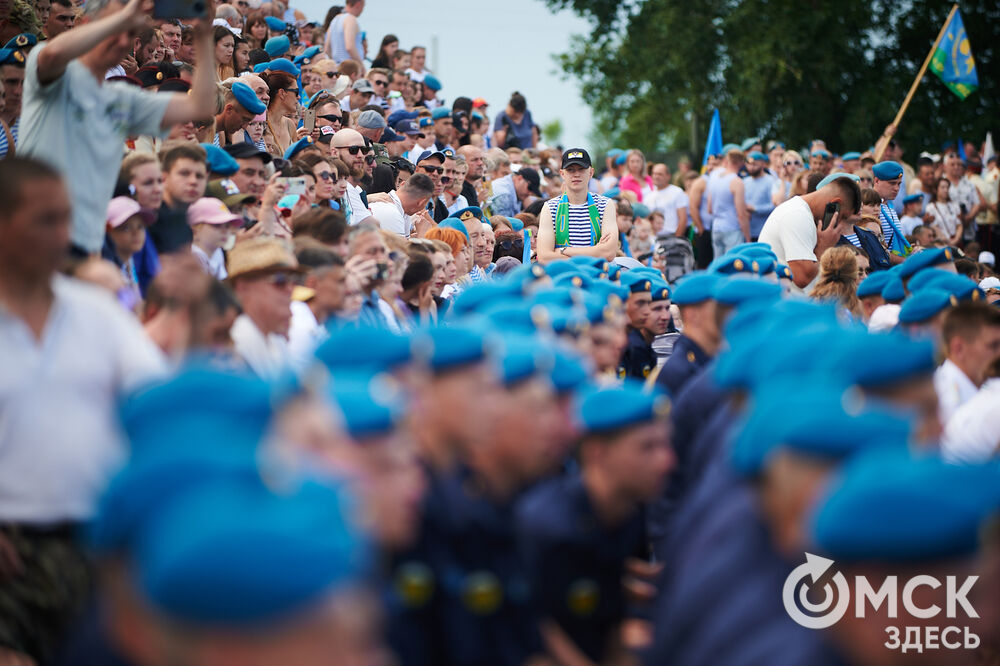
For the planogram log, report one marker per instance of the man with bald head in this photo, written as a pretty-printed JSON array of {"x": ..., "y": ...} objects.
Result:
[
  {"x": 258, "y": 86},
  {"x": 474, "y": 176},
  {"x": 349, "y": 146}
]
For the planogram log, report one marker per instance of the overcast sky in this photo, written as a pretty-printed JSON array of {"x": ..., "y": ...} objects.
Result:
[{"x": 486, "y": 49}]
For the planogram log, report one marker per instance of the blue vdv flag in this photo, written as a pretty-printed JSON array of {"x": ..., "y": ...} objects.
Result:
[
  {"x": 953, "y": 61},
  {"x": 713, "y": 146}
]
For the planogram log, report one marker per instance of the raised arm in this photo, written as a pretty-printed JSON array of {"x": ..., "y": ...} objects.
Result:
[
  {"x": 739, "y": 201},
  {"x": 199, "y": 103},
  {"x": 70, "y": 45}
]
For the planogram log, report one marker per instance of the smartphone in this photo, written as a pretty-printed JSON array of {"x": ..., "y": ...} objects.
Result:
[
  {"x": 832, "y": 209},
  {"x": 381, "y": 271},
  {"x": 309, "y": 120},
  {"x": 163, "y": 9},
  {"x": 295, "y": 186}
]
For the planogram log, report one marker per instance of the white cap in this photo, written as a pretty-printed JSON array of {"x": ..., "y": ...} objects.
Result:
[
  {"x": 986, "y": 257},
  {"x": 884, "y": 318},
  {"x": 989, "y": 283}
]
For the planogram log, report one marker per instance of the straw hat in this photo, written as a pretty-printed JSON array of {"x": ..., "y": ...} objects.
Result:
[{"x": 261, "y": 255}]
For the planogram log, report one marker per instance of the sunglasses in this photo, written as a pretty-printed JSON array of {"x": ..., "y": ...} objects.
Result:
[
  {"x": 242, "y": 4},
  {"x": 325, "y": 175},
  {"x": 353, "y": 150},
  {"x": 294, "y": 91},
  {"x": 369, "y": 159},
  {"x": 445, "y": 180},
  {"x": 867, "y": 180},
  {"x": 332, "y": 118},
  {"x": 380, "y": 83},
  {"x": 432, "y": 169},
  {"x": 507, "y": 245},
  {"x": 281, "y": 280},
  {"x": 793, "y": 163}
]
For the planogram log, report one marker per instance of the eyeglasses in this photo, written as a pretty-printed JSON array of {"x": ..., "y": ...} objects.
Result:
[
  {"x": 331, "y": 75},
  {"x": 507, "y": 245},
  {"x": 445, "y": 180},
  {"x": 294, "y": 91},
  {"x": 281, "y": 279},
  {"x": 369, "y": 159},
  {"x": 432, "y": 169},
  {"x": 379, "y": 83},
  {"x": 242, "y": 3},
  {"x": 325, "y": 175},
  {"x": 867, "y": 180},
  {"x": 353, "y": 150},
  {"x": 793, "y": 163},
  {"x": 332, "y": 118}
]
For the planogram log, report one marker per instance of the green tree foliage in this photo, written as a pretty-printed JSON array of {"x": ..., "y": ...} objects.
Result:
[
  {"x": 552, "y": 131},
  {"x": 652, "y": 69}
]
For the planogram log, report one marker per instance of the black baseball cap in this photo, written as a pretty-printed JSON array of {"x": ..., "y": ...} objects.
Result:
[
  {"x": 534, "y": 181},
  {"x": 576, "y": 156},
  {"x": 243, "y": 151}
]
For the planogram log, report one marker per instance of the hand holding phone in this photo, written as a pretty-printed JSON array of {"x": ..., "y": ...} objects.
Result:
[
  {"x": 309, "y": 120},
  {"x": 832, "y": 209},
  {"x": 293, "y": 185}
]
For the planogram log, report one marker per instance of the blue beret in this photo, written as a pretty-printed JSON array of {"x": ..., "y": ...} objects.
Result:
[
  {"x": 521, "y": 358},
  {"x": 572, "y": 321},
  {"x": 923, "y": 305},
  {"x": 737, "y": 290},
  {"x": 562, "y": 295},
  {"x": 613, "y": 192},
  {"x": 608, "y": 409},
  {"x": 514, "y": 316},
  {"x": 456, "y": 345},
  {"x": 765, "y": 265},
  {"x": 275, "y": 24},
  {"x": 872, "y": 360},
  {"x": 925, "y": 259},
  {"x": 894, "y": 291},
  {"x": 819, "y": 152},
  {"x": 219, "y": 161},
  {"x": 748, "y": 142},
  {"x": 891, "y": 506},
  {"x": 469, "y": 213},
  {"x": 235, "y": 554},
  {"x": 23, "y": 41},
  {"x": 370, "y": 405},
  {"x": 811, "y": 419},
  {"x": 425, "y": 122},
  {"x": 851, "y": 156},
  {"x": 596, "y": 262},
  {"x": 457, "y": 225},
  {"x": 307, "y": 55},
  {"x": 247, "y": 98},
  {"x": 568, "y": 371},
  {"x": 11, "y": 57},
  {"x": 758, "y": 156},
  {"x": 783, "y": 271},
  {"x": 615, "y": 152},
  {"x": 695, "y": 288},
  {"x": 483, "y": 294},
  {"x": 660, "y": 291},
  {"x": 614, "y": 271},
  {"x": 728, "y": 264},
  {"x": 640, "y": 210},
  {"x": 729, "y": 147},
  {"x": 299, "y": 145},
  {"x": 874, "y": 284},
  {"x": 277, "y": 46},
  {"x": 277, "y": 65},
  {"x": 369, "y": 349},
  {"x": 573, "y": 279},
  {"x": 835, "y": 176},
  {"x": 440, "y": 113},
  {"x": 911, "y": 198},
  {"x": 636, "y": 282},
  {"x": 431, "y": 82},
  {"x": 598, "y": 309},
  {"x": 620, "y": 160},
  {"x": 648, "y": 271},
  {"x": 525, "y": 275},
  {"x": 887, "y": 170},
  {"x": 609, "y": 291},
  {"x": 557, "y": 268},
  {"x": 958, "y": 286}
]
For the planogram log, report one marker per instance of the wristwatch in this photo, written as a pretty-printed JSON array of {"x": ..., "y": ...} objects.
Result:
[{"x": 562, "y": 251}]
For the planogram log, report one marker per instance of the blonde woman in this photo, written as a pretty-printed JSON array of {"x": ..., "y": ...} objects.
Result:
[
  {"x": 791, "y": 166},
  {"x": 838, "y": 279}
]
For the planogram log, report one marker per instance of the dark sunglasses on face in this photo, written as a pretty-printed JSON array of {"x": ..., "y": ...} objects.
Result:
[
  {"x": 370, "y": 159},
  {"x": 294, "y": 91},
  {"x": 353, "y": 150},
  {"x": 325, "y": 175},
  {"x": 793, "y": 163},
  {"x": 432, "y": 169},
  {"x": 281, "y": 279},
  {"x": 380, "y": 83},
  {"x": 445, "y": 180},
  {"x": 332, "y": 118},
  {"x": 506, "y": 245}
]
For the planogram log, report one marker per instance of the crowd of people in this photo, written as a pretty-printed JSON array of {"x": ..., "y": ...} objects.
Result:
[{"x": 303, "y": 364}]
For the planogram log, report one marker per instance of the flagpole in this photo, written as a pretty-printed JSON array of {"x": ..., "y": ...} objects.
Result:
[{"x": 884, "y": 140}]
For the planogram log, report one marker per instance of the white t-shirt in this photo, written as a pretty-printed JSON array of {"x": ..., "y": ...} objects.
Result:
[
  {"x": 304, "y": 335},
  {"x": 267, "y": 355},
  {"x": 415, "y": 75},
  {"x": 790, "y": 230},
  {"x": 972, "y": 435},
  {"x": 954, "y": 389},
  {"x": 60, "y": 438},
  {"x": 667, "y": 201},
  {"x": 391, "y": 217},
  {"x": 358, "y": 211},
  {"x": 79, "y": 125},
  {"x": 214, "y": 265}
]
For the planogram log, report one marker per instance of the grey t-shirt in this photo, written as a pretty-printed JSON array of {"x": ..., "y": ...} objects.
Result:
[{"x": 79, "y": 125}]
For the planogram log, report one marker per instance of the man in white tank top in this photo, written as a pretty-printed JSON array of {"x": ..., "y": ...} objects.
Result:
[
  {"x": 727, "y": 205},
  {"x": 555, "y": 244},
  {"x": 343, "y": 38}
]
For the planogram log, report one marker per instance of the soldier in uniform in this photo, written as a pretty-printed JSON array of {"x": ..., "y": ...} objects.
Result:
[
  {"x": 638, "y": 359},
  {"x": 701, "y": 337}
]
